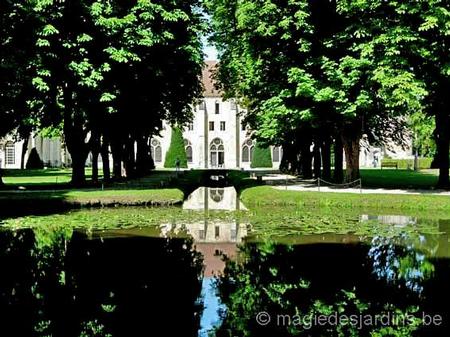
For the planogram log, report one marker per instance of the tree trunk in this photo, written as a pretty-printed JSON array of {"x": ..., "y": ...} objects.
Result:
[
  {"x": 338, "y": 160},
  {"x": 130, "y": 161},
  {"x": 443, "y": 148},
  {"x": 78, "y": 168},
  {"x": 95, "y": 150},
  {"x": 317, "y": 160},
  {"x": 24, "y": 151},
  {"x": 326, "y": 159},
  {"x": 105, "y": 160},
  {"x": 117, "y": 160},
  {"x": 351, "y": 150},
  {"x": 75, "y": 138},
  {"x": 95, "y": 166},
  {"x": 144, "y": 162},
  {"x": 306, "y": 161}
]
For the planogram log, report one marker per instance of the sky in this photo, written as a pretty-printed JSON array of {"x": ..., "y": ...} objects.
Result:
[{"x": 211, "y": 52}]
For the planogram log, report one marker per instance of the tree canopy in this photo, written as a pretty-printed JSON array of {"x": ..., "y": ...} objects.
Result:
[
  {"x": 317, "y": 72},
  {"x": 105, "y": 73}
]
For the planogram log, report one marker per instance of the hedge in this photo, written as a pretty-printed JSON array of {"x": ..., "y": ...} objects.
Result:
[
  {"x": 262, "y": 157},
  {"x": 34, "y": 161},
  {"x": 424, "y": 163},
  {"x": 176, "y": 150}
]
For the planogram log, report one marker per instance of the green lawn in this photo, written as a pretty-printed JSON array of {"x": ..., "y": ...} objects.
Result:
[
  {"x": 403, "y": 179},
  {"x": 29, "y": 178},
  {"x": 31, "y": 202},
  {"x": 59, "y": 178},
  {"x": 268, "y": 196}
]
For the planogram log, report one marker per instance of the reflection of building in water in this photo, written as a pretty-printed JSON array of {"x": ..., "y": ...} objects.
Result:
[
  {"x": 212, "y": 240},
  {"x": 219, "y": 199},
  {"x": 400, "y": 220}
]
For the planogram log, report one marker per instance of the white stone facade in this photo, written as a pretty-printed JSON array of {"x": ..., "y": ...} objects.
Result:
[{"x": 216, "y": 138}]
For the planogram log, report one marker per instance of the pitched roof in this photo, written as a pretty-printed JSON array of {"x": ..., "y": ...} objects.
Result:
[{"x": 209, "y": 87}]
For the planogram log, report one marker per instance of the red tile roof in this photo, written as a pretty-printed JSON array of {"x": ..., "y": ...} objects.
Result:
[{"x": 210, "y": 89}]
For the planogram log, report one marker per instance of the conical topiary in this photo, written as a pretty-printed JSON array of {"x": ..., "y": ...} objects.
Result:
[
  {"x": 34, "y": 162},
  {"x": 262, "y": 158},
  {"x": 176, "y": 150}
]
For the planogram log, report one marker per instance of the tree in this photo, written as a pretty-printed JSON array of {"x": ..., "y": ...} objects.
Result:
[
  {"x": 176, "y": 150},
  {"x": 16, "y": 55},
  {"x": 413, "y": 36},
  {"x": 111, "y": 72},
  {"x": 261, "y": 157},
  {"x": 307, "y": 68}
]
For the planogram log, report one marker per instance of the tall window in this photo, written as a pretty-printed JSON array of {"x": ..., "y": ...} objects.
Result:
[
  {"x": 156, "y": 151},
  {"x": 233, "y": 105},
  {"x": 222, "y": 126},
  {"x": 211, "y": 126},
  {"x": 10, "y": 154},
  {"x": 188, "y": 147},
  {"x": 276, "y": 154},
  {"x": 217, "y": 153},
  {"x": 217, "y": 109},
  {"x": 243, "y": 126},
  {"x": 202, "y": 106},
  {"x": 247, "y": 151}
]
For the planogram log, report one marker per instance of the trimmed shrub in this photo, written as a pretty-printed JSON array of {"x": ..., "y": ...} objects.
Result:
[
  {"x": 176, "y": 150},
  {"x": 34, "y": 162},
  {"x": 424, "y": 163},
  {"x": 261, "y": 157}
]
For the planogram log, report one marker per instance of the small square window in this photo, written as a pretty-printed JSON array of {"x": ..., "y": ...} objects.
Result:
[
  {"x": 222, "y": 126},
  {"x": 243, "y": 126},
  {"x": 191, "y": 127},
  {"x": 233, "y": 106},
  {"x": 202, "y": 106},
  {"x": 211, "y": 126},
  {"x": 217, "y": 108}
]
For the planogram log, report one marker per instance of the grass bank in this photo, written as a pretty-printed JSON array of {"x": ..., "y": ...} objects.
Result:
[
  {"x": 268, "y": 196},
  {"x": 399, "y": 179},
  {"x": 22, "y": 202}
]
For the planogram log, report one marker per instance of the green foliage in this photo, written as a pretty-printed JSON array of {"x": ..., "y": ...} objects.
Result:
[
  {"x": 423, "y": 163},
  {"x": 262, "y": 157},
  {"x": 423, "y": 127},
  {"x": 176, "y": 150},
  {"x": 34, "y": 161}
]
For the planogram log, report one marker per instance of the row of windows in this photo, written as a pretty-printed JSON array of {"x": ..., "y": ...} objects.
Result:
[
  {"x": 190, "y": 126},
  {"x": 212, "y": 126},
  {"x": 217, "y": 150},
  {"x": 202, "y": 106}
]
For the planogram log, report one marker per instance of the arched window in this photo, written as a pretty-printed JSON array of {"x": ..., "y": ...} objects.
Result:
[
  {"x": 247, "y": 151},
  {"x": 188, "y": 148},
  {"x": 217, "y": 153},
  {"x": 276, "y": 154},
  {"x": 156, "y": 151},
  {"x": 10, "y": 153}
]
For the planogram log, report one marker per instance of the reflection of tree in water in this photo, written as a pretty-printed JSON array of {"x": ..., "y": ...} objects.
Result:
[
  {"x": 307, "y": 280},
  {"x": 403, "y": 260},
  {"x": 59, "y": 284}
]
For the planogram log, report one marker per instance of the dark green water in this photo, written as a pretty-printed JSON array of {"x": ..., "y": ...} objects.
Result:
[
  {"x": 202, "y": 272},
  {"x": 131, "y": 283}
]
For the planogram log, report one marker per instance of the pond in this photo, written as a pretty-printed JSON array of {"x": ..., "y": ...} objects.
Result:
[{"x": 212, "y": 269}]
